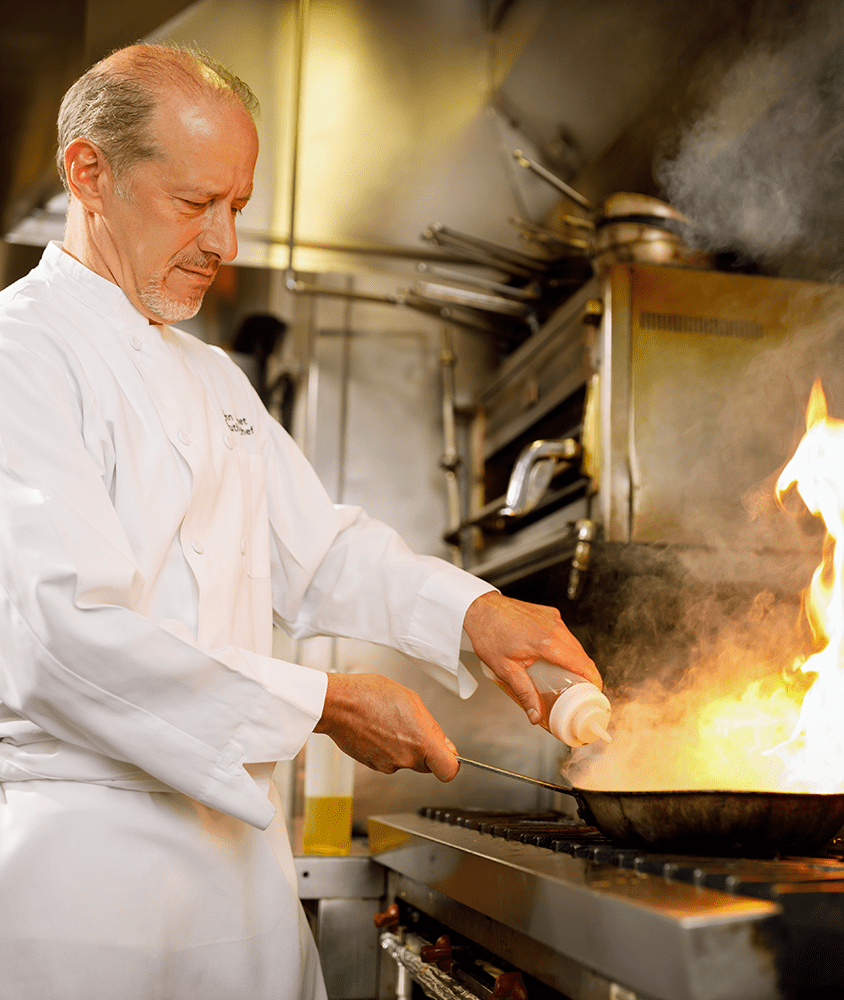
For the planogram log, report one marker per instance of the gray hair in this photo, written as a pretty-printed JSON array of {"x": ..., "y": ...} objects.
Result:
[{"x": 113, "y": 103}]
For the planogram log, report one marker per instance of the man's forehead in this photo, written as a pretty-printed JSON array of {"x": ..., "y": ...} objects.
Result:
[
  {"x": 184, "y": 109},
  {"x": 187, "y": 130}
]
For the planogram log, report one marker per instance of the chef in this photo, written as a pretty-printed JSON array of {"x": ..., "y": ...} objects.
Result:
[{"x": 154, "y": 521}]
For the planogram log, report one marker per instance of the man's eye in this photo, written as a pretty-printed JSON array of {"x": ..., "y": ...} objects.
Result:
[{"x": 195, "y": 204}]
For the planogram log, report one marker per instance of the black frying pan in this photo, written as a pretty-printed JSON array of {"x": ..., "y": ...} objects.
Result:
[{"x": 705, "y": 822}]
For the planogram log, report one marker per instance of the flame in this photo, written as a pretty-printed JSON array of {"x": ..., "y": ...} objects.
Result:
[
  {"x": 731, "y": 728},
  {"x": 815, "y": 751}
]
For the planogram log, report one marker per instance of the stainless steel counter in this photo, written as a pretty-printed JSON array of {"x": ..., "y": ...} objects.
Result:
[{"x": 356, "y": 876}]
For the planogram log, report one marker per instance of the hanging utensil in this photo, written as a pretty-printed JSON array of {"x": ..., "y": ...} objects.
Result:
[
  {"x": 499, "y": 257},
  {"x": 530, "y": 293},
  {"x": 449, "y": 295},
  {"x": 630, "y": 227},
  {"x": 545, "y": 236},
  {"x": 556, "y": 182}
]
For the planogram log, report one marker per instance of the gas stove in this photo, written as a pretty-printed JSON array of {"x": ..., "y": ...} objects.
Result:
[
  {"x": 589, "y": 919},
  {"x": 760, "y": 878}
]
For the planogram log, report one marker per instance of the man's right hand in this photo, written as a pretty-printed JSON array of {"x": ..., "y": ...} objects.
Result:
[{"x": 385, "y": 725}]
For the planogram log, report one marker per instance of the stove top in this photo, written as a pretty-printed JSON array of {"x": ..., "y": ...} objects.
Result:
[
  {"x": 660, "y": 925},
  {"x": 761, "y": 878}
]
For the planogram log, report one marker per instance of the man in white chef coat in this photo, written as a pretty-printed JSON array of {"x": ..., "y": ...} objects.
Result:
[{"x": 154, "y": 519}]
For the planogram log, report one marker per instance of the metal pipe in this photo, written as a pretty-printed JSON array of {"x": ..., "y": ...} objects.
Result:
[
  {"x": 404, "y": 983},
  {"x": 450, "y": 460},
  {"x": 391, "y": 299},
  {"x": 575, "y": 221},
  {"x": 463, "y": 319},
  {"x": 345, "y": 375},
  {"x": 312, "y": 399},
  {"x": 358, "y": 248},
  {"x": 302, "y": 12},
  {"x": 542, "y": 233},
  {"x": 343, "y": 428},
  {"x": 309, "y": 288}
]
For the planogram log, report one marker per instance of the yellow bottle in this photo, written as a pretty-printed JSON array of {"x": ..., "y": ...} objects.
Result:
[{"x": 329, "y": 781}]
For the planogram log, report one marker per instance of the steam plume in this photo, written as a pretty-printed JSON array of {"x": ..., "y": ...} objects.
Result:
[{"x": 761, "y": 169}]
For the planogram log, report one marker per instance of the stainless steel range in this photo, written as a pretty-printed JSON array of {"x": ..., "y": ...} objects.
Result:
[{"x": 481, "y": 894}]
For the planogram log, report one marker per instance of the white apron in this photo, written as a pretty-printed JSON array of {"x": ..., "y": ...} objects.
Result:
[{"x": 152, "y": 897}]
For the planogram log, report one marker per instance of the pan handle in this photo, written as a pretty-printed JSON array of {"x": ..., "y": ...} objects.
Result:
[
  {"x": 519, "y": 777},
  {"x": 583, "y": 809}
]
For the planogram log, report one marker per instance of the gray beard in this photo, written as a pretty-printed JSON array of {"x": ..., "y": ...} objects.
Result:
[{"x": 167, "y": 307}]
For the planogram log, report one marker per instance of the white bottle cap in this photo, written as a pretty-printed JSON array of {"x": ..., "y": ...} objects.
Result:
[{"x": 580, "y": 715}]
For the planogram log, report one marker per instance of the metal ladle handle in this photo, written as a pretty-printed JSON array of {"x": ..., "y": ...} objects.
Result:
[
  {"x": 556, "y": 182},
  {"x": 518, "y": 777}
]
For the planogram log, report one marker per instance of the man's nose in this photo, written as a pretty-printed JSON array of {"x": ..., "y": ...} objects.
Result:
[{"x": 218, "y": 235}]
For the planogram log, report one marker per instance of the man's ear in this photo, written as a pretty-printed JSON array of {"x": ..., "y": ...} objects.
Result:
[{"x": 88, "y": 173}]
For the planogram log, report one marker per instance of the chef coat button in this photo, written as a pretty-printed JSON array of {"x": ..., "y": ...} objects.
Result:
[
  {"x": 197, "y": 547},
  {"x": 184, "y": 438},
  {"x": 243, "y": 546},
  {"x": 136, "y": 342},
  {"x": 228, "y": 440}
]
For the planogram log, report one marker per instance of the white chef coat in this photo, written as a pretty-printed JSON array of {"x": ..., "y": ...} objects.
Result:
[{"x": 153, "y": 520}]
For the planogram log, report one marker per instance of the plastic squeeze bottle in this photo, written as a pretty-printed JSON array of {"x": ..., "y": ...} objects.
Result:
[{"x": 573, "y": 709}]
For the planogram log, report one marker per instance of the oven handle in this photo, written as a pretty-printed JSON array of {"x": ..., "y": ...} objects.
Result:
[
  {"x": 534, "y": 469},
  {"x": 492, "y": 516}
]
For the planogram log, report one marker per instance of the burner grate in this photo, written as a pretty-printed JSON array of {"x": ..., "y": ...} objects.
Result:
[{"x": 770, "y": 878}]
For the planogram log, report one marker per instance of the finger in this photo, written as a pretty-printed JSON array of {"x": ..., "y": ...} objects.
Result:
[
  {"x": 442, "y": 763},
  {"x": 523, "y": 690}
]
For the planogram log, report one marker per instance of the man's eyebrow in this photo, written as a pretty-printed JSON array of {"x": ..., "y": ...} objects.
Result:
[{"x": 203, "y": 194}]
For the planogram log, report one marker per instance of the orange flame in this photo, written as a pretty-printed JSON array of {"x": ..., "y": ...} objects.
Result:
[
  {"x": 779, "y": 733},
  {"x": 815, "y": 751}
]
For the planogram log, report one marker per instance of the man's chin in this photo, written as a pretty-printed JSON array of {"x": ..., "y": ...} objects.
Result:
[{"x": 167, "y": 309}]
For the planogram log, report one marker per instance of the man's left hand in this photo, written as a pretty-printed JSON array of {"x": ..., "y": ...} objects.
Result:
[{"x": 509, "y": 635}]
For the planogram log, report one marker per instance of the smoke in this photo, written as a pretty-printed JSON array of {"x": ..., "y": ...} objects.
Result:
[
  {"x": 731, "y": 722},
  {"x": 760, "y": 169},
  {"x": 718, "y": 721}
]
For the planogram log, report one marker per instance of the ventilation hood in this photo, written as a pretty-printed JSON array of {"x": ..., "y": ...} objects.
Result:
[{"x": 407, "y": 113}]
